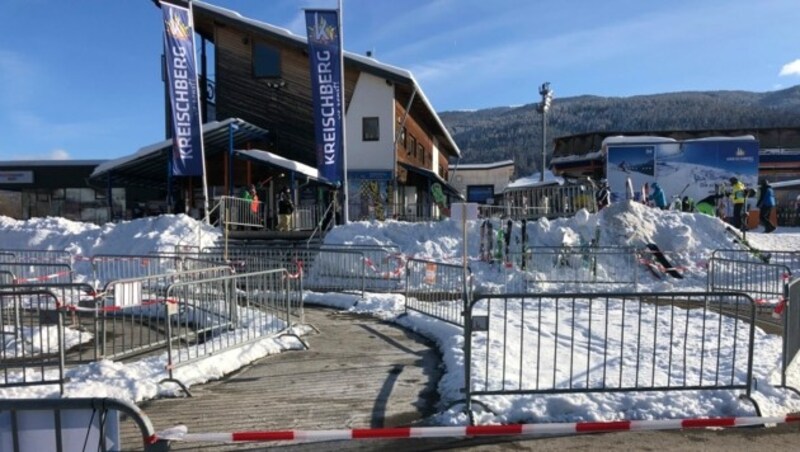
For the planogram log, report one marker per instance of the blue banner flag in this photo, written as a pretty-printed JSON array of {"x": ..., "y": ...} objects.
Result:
[
  {"x": 187, "y": 144},
  {"x": 324, "y": 49}
]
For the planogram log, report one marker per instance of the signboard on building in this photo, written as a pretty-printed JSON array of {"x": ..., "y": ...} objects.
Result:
[
  {"x": 692, "y": 168},
  {"x": 16, "y": 177}
]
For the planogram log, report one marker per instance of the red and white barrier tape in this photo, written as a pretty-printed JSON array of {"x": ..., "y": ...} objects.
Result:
[
  {"x": 144, "y": 303},
  {"x": 396, "y": 273},
  {"x": 41, "y": 278},
  {"x": 179, "y": 434},
  {"x": 298, "y": 273}
]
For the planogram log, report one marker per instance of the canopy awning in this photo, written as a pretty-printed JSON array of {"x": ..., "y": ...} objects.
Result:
[
  {"x": 149, "y": 165},
  {"x": 270, "y": 159},
  {"x": 432, "y": 176}
]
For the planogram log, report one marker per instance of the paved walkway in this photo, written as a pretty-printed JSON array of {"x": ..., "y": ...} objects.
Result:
[{"x": 359, "y": 372}]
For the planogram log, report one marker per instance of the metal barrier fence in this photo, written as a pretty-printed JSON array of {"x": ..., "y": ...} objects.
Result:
[
  {"x": 239, "y": 212},
  {"x": 437, "y": 289},
  {"x": 552, "y": 201},
  {"x": 37, "y": 256},
  {"x": 31, "y": 272},
  {"x": 215, "y": 314},
  {"x": 71, "y": 424},
  {"x": 132, "y": 316},
  {"x": 6, "y": 277},
  {"x": 32, "y": 339},
  {"x": 69, "y": 302},
  {"x": 764, "y": 282},
  {"x": 608, "y": 342},
  {"x": 574, "y": 267},
  {"x": 790, "y": 259},
  {"x": 111, "y": 267},
  {"x": 791, "y": 331}
]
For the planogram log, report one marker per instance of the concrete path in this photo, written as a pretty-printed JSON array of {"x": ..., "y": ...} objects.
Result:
[{"x": 359, "y": 372}]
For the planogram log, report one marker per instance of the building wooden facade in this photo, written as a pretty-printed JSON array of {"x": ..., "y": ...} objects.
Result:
[{"x": 396, "y": 145}]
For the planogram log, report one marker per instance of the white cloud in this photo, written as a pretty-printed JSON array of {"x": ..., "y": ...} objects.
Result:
[
  {"x": 792, "y": 68},
  {"x": 58, "y": 154}
]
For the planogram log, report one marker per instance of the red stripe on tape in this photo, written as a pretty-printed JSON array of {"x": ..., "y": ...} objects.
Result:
[
  {"x": 365, "y": 433},
  {"x": 612, "y": 426},
  {"x": 485, "y": 430},
  {"x": 263, "y": 436},
  {"x": 793, "y": 417},
  {"x": 716, "y": 422}
]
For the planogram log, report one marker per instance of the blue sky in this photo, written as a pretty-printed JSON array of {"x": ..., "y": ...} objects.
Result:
[{"x": 80, "y": 79}]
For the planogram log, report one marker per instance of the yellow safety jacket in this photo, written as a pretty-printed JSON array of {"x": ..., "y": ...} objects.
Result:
[{"x": 738, "y": 193}]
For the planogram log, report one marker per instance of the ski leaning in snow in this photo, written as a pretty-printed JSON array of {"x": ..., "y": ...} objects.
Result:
[
  {"x": 663, "y": 262},
  {"x": 524, "y": 247},
  {"x": 741, "y": 241},
  {"x": 629, "y": 188},
  {"x": 489, "y": 241},
  {"x": 482, "y": 253},
  {"x": 501, "y": 240},
  {"x": 507, "y": 253}
]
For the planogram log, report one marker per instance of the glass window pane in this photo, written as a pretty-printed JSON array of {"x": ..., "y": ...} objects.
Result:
[{"x": 266, "y": 61}]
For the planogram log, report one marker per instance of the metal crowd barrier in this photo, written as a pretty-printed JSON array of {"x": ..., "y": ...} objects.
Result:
[
  {"x": 608, "y": 342},
  {"x": 111, "y": 267},
  {"x": 71, "y": 424},
  {"x": 215, "y": 314},
  {"x": 437, "y": 290},
  {"x": 240, "y": 212},
  {"x": 791, "y": 332},
  {"x": 552, "y": 201},
  {"x": 32, "y": 272},
  {"x": 765, "y": 283},
  {"x": 132, "y": 317},
  {"x": 37, "y": 256},
  {"x": 575, "y": 267},
  {"x": 32, "y": 339},
  {"x": 790, "y": 259}
]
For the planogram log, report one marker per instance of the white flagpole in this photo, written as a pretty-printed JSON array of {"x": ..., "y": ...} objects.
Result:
[
  {"x": 199, "y": 106},
  {"x": 346, "y": 211}
]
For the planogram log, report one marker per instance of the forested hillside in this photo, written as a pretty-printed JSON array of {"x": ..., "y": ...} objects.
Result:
[{"x": 515, "y": 132}]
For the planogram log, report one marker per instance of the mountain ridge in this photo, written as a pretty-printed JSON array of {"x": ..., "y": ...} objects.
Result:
[{"x": 500, "y": 133}]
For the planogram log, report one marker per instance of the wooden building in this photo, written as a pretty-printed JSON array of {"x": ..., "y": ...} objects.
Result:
[{"x": 397, "y": 147}]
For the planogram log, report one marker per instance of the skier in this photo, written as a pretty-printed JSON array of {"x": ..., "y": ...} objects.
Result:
[
  {"x": 285, "y": 210},
  {"x": 658, "y": 196},
  {"x": 687, "y": 204},
  {"x": 766, "y": 204},
  {"x": 738, "y": 195}
]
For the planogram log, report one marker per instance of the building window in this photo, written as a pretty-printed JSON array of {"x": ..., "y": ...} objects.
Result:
[
  {"x": 412, "y": 145},
  {"x": 421, "y": 152},
  {"x": 266, "y": 61},
  {"x": 370, "y": 129}
]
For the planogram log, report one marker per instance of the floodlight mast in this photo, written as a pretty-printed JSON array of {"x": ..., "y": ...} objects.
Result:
[{"x": 543, "y": 108}]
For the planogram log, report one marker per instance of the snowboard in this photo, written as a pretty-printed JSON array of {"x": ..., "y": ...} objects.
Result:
[{"x": 663, "y": 261}]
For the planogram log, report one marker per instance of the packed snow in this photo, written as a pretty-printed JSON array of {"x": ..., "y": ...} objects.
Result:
[{"x": 688, "y": 239}]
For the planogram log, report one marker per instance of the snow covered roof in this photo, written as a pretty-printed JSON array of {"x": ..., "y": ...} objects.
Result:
[
  {"x": 623, "y": 139},
  {"x": 534, "y": 180},
  {"x": 482, "y": 166},
  {"x": 281, "y": 162},
  {"x": 367, "y": 62},
  {"x": 150, "y": 162},
  {"x": 739, "y": 138},
  {"x": 577, "y": 158}
]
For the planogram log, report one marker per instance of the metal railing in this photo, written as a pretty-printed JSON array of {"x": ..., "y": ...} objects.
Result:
[
  {"x": 132, "y": 313},
  {"x": 111, "y": 267},
  {"x": 36, "y": 256},
  {"x": 551, "y": 201},
  {"x": 572, "y": 267},
  {"x": 29, "y": 272},
  {"x": 740, "y": 271},
  {"x": 32, "y": 347},
  {"x": 215, "y": 314},
  {"x": 437, "y": 289},
  {"x": 241, "y": 213},
  {"x": 608, "y": 342},
  {"x": 71, "y": 424}
]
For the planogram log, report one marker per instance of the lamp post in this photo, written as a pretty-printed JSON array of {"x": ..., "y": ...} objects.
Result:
[{"x": 543, "y": 107}]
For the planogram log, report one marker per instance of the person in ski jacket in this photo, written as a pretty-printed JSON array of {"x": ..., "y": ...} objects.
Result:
[
  {"x": 285, "y": 210},
  {"x": 687, "y": 204},
  {"x": 657, "y": 196},
  {"x": 738, "y": 197},
  {"x": 766, "y": 204}
]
